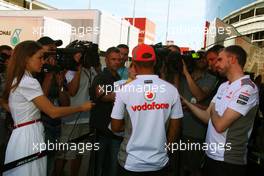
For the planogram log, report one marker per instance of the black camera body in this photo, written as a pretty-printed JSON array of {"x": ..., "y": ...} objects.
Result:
[
  {"x": 65, "y": 56},
  {"x": 190, "y": 57},
  {"x": 173, "y": 60}
]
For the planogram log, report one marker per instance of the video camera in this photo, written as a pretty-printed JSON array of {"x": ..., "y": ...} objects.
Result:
[
  {"x": 65, "y": 56},
  {"x": 190, "y": 58},
  {"x": 173, "y": 60}
]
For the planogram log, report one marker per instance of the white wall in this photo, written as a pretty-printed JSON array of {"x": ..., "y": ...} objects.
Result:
[
  {"x": 110, "y": 28},
  {"x": 32, "y": 28},
  {"x": 57, "y": 29},
  {"x": 107, "y": 30},
  {"x": 81, "y": 20},
  {"x": 133, "y": 38},
  {"x": 124, "y": 33}
]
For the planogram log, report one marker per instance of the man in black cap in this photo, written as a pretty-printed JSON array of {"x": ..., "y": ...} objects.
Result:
[
  {"x": 49, "y": 72},
  {"x": 49, "y": 42},
  {"x": 51, "y": 80},
  {"x": 50, "y": 46}
]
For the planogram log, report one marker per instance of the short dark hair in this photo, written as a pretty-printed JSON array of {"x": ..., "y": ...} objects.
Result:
[
  {"x": 239, "y": 52},
  {"x": 111, "y": 50},
  {"x": 178, "y": 49},
  {"x": 4, "y": 47},
  {"x": 149, "y": 64},
  {"x": 215, "y": 49},
  {"x": 123, "y": 46}
]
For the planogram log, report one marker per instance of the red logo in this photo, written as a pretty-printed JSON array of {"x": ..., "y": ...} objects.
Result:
[
  {"x": 230, "y": 94},
  {"x": 246, "y": 93},
  {"x": 151, "y": 106},
  {"x": 149, "y": 96}
]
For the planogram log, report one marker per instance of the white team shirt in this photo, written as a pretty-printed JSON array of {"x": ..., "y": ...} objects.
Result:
[
  {"x": 143, "y": 147},
  {"x": 240, "y": 96}
]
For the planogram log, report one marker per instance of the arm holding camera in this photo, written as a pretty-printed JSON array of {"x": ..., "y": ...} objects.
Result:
[
  {"x": 196, "y": 91},
  {"x": 73, "y": 85},
  {"x": 64, "y": 98},
  {"x": 47, "y": 81}
]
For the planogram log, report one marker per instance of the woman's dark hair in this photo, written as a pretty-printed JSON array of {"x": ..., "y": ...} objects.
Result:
[
  {"x": 173, "y": 65},
  {"x": 161, "y": 55},
  {"x": 17, "y": 64}
]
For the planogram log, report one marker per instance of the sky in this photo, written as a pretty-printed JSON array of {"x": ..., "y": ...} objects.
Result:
[
  {"x": 223, "y": 7},
  {"x": 186, "y": 17}
]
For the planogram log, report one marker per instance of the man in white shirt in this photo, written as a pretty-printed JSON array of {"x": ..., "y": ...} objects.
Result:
[
  {"x": 151, "y": 103},
  {"x": 230, "y": 116},
  {"x": 77, "y": 124}
]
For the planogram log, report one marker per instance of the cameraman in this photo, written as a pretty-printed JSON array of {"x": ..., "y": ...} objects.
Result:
[
  {"x": 5, "y": 54},
  {"x": 52, "y": 84},
  {"x": 78, "y": 85},
  {"x": 197, "y": 87}
]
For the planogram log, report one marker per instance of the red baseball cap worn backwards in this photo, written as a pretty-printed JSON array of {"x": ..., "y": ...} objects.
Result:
[{"x": 143, "y": 53}]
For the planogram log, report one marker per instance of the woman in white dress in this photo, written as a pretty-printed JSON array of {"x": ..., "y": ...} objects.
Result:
[{"x": 26, "y": 100}]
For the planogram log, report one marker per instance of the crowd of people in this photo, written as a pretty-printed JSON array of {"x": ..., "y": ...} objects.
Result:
[{"x": 160, "y": 113}]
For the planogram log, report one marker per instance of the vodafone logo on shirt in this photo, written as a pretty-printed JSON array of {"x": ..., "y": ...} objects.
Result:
[
  {"x": 150, "y": 106},
  {"x": 150, "y": 96}
]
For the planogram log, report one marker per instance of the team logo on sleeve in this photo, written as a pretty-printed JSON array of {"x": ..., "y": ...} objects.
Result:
[
  {"x": 241, "y": 102},
  {"x": 243, "y": 99},
  {"x": 149, "y": 95},
  {"x": 247, "y": 81}
]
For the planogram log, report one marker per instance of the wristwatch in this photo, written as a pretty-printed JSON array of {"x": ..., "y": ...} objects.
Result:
[{"x": 193, "y": 100}]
